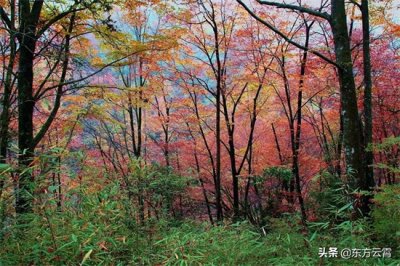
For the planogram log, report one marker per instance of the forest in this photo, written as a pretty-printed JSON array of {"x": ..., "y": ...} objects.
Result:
[{"x": 199, "y": 132}]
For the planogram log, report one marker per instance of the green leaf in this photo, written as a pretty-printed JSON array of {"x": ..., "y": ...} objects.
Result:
[
  {"x": 4, "y": 168},
  {"x": 314, "y": 235},
  {"x": 53, "y": 188},
  {"x": 347, "y": 206}
]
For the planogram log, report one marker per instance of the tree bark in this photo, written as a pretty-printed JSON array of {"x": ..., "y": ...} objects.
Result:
[
  {"x": 296, "y": 171},
  {"x": 219, "y": 81},
  {"x": 351, "y": 121},
  {"x": 369, "y": 156},
  {"x": 27, "y": 35}
]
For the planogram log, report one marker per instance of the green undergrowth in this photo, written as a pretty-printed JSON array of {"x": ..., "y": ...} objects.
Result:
[
  {"x": 98, "y": 230},
  {"x": 108, "y": 241}
]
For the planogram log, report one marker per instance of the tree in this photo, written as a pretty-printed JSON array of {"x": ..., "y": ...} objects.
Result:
[
  {"x": 9, "y": 51},
  {"x": 36, "y": 22},
  {"x": 28, "y": 34},
  {"x": 369, "y": 156},
  {"x": 294, "y": 116},
  {"x": 352, "y": 126},
  {"x": 212, "y": 49}
]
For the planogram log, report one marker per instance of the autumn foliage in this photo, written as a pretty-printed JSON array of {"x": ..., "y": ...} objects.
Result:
[{"x": 139, "y": 115}]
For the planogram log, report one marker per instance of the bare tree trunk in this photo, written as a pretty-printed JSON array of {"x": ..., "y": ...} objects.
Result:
[
  {"x": 219, "y": 80},
  {"x": 369, "y": 156},
  {"x": 6, "y": 100},
  {"x": 351, "y": 121},
  {"x": 28, "y": 23},
  {"x": 298, "y": 128}
]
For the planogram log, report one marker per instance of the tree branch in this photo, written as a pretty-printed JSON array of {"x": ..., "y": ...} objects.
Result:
[
  {"x": 45, "y": 127},
  {"x": 302, "y": 9},
  {"x": 286, "y": 38},
  {"x": 5, "y": 18},
  {"x": 95, "y": 72},
  {"x": 56, "y": 18}
]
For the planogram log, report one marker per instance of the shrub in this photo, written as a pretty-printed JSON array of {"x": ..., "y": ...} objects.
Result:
[{"x": 386, "y": 217}]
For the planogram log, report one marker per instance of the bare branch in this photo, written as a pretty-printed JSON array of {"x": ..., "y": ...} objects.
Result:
[
  {"x": 97, "y": 71},
  {"x": 302, "y": 9},
  {"x": 286, "y": 38},
  {"x": 5, "y": 18}
]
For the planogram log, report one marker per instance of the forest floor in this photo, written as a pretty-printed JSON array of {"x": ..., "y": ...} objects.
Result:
[
  {"x": 101, "y": 228},
  {"x": 106, "y": 240}
]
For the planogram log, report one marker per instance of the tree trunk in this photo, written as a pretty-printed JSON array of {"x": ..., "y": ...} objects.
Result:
[
  {"x": 296, "y": 145},
  {"x": 218, "y": 154},
  {"x": 369, "y": 156},
  {"x": 25, "y": 110},
  {"x": 219, "y": 80},
  {"x": 352, "y": 142},
  {"x": 230, "y": 126},
  {"x": 6, "y": 101}
]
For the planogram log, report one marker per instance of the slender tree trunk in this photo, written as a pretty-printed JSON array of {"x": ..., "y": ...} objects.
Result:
[
  {"x": 285, "y": 185},
  {"x": 249, "y": 178},
  {"x": 219, "y": 80},
  {"x": 135, "y": 115},
  {"x": 6, "y": 100},
  {"x": 298, "y": 129},
  {"x": 369, "y": 156},
  {"x": 196, "y": 158},
  {"x": 207, "y": 201},
  {"x": 232, "y": 156},
  {"x": 292, "y": 133},
  {"x": 218, "y": 155},
  {"x": 235, "y": 179}
]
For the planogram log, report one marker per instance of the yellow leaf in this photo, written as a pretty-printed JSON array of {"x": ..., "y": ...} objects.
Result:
[{"x": 86, "y": 257}]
